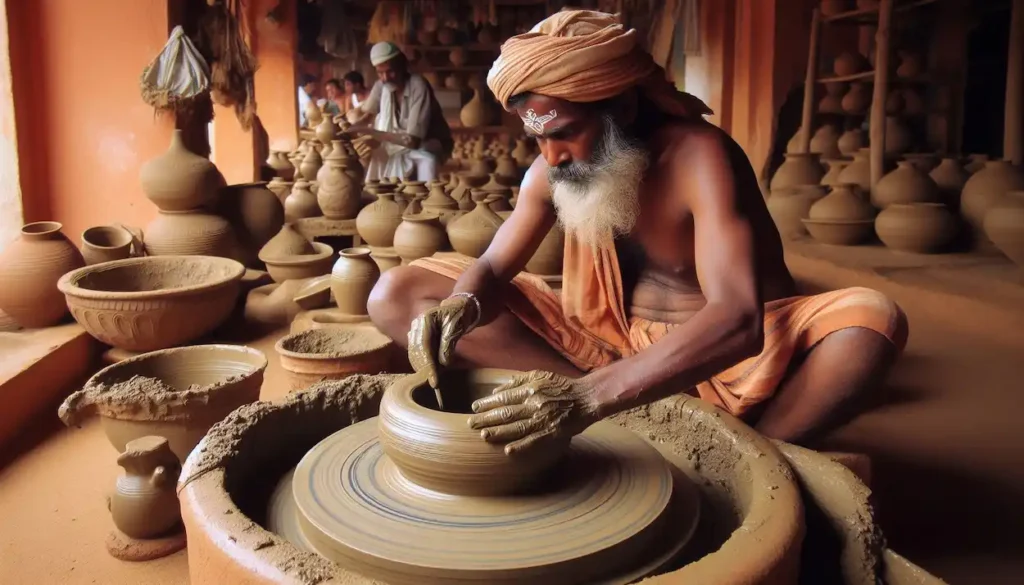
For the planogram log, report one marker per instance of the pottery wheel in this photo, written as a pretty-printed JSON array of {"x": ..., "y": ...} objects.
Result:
[{"x": 601, "y": 518}]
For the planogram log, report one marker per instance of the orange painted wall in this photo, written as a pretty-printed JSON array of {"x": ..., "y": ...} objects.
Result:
[
  {"x": 276, "y": 90},
  {"x": 10, "y": 184},
  {"x": 83, "y": 129}
]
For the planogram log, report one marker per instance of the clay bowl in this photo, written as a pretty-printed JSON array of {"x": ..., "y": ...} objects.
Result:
[
  {"x": 206, "y": 382},
  {"x": 302, "y": 266},
  {"x": 315, "y": 294},
  {"x": 840, "y": 232},
  {"x": 439, "y": 451},
  {"x": 145, "y": 304},
  {"x": 333, "y": 353},
  {"x": 325, "y": 319}
]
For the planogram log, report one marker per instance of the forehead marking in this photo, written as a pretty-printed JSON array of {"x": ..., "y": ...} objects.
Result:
[{"x": 536, "y": 123}]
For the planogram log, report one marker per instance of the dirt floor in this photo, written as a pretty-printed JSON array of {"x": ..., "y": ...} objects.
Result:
[{"x": 947, "y": 442}]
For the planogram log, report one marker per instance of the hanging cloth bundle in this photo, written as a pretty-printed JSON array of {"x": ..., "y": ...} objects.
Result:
[
  {"x": 177, "y": 76},
  {"x": 222, "y": 37}
]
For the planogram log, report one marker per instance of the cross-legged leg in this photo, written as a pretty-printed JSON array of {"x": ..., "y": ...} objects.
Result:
[
  {"x": 829, "y": 386},
  {"x": 404, "y": 292}
]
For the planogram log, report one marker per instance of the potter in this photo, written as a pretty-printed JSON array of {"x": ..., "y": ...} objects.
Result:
[{"x": 673, "y": 274}]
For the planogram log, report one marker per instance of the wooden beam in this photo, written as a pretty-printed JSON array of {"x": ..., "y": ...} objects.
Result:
[
  {"x": 810, "y": 82},
  {"x": 877, "y": 129}
]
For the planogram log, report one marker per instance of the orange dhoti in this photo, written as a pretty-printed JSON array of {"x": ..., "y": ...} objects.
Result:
[{"x": 588, "y": 324}]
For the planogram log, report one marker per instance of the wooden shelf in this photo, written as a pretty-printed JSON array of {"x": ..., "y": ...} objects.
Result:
[
  {"x": 863, "y": 76},
  {"x": 863, "y": 16}
]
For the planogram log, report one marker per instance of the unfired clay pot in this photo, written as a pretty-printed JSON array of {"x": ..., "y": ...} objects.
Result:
[
  {"x": 521, "y": 153},
  {"x": 858, "y": 172},
  {"x": 419, "y": 236},
  {"x": 278, "y": 161},
  {"x": 835, "y": 167},
  {"x": 986, "y": 187},
  {"x": 547, "y": 259},
  {"x": 472, "y": 233},
  {"x": 507, "y": 167},
  {"x": 105, "y": 243},
  {"x": 924, "y": 161},
  {"x": 311, "y": 163},
  {"x": 844, "y": 203},
  {"x": 789, "y": 206},
  {"x": 916, "y": 227},
  {"x": 849, "y": 63},
  {"x": 1004, "y": 225},
  {"x": 326, "y": 131},
  {"x": 799, "y": 169},
  {"x": 898, "y": 138},
  {"x": 144, "y": 503},
  {"x": 352, "y": 279},
  {"x": 30, "y": 267},
  {"x": 333, "y": 353},
  {"x": 301, "y": 202},
  {"x": 377, "y": 222},
  {"x": 280, "y": 187},
  {"x": 851, "y": 141},
  {"x": 832, "y": 102},
  {"x": 179, "y": 180},
  {"x": 477, "y": 112},
  {"x": 840, "y": 232},
  {"x": 339, "y": 195},
  {"x": 950, "y": 178},
  {"x": 467, "y": 182},
  {"x": 187, "y": 233},
  {"x": 386, "y": 259},
  {"x": 826, "y": 141},
  {"x": 254, "y": 211},
  {"x": 287, "y": 242},
  {"x": 297, "y": 267},
  {"x": 905, "y": 184},
  {"x": 857, "y": 100},
  {"x": 439, "y": 202}
]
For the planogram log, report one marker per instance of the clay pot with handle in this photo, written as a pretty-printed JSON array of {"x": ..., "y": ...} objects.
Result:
[
  {"x": 29, "y": 270},
  {"x": 144, "y": 503},
  {"x": 105, "y": 243}
]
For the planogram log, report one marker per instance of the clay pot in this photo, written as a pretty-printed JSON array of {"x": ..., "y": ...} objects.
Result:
[
  {"x": 858, "y": 172},
  {"x": 326, "y": 131},
  {"x": 507, "y": 167},
  {"x": 844, "y": 203},
  {"x": 851, "y": 141},
  {"x": 911, "y": 65},
  {"x": 352, "y": 279},
  {"x": 314, "y": 293},
  {"x": 282, "y": 268},
  {"x": 798, "y": 169},
  {"x": 377, "y": 222},
  {"x": 254, "y": 211},
  {"x": 1004, "y": 225},
  {"x": 280, "y": 187},
  {"x": 950, "y": 178},
  {"x": 913, "y": 103},
  {"x": 441, "y": 203},
  {"x": 144, "y": 503},
  {"x": 30, "y": 267},
  {"x": 458, "y": 56},
  {"x": 278, "y": 161},
  {"x": 197, "y": 386},
  {"x": 840, "y": 232},
  {"x": 975, "y": 162},
  {"x": 190, "y": 233},
  {"x": 923, "y": 161},
  {"x": 916, "y": 227},
  {"x": 850, "y": 63},
  {"x": 521, "y": 153},
  {"x": 835, "y": 167},
  {"x": 339, "y": 195},
  {"x": 301, "y": 202},
  {"x": 311, "y": 163},
  {"x": 832, "y": 103},
  {"x": 333, "y": 353},
  {"x": 833, "y": 7},
  {"x": 472, "y": 233},
  {"x": 547, "y": 258},
  {"x": 898, "y": 138},
  {"x": 481, "y": 166},
  {"x": 462, "y": 193},
  {"x": 419, "y": 236},
  {"x": 826, "y": 141},
  {"x": 984, "y": 188},
  {"x": 106, "y": 243},
  {"x": 905, "y": 184},
  {"x": 437, "y": 450},
  {"x": 313, "y": 114},
  {"x": 179, "y": 180},
  {"x": 788, "y": 207},
  {"x": 386, "y": 259},
  {"x": 477, "y": 112},
  {"x": 287, "y": 242},
  {"x": 857, "y": 100}
]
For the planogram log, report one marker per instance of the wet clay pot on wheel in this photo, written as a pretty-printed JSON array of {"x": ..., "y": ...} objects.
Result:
[
  {"x": 472, "y": 233},
  {"x": 906, "y": 184},
  {"x": 924, "y": 228},
  {"x": 179, "y": 180},
  {"x": 144, "y": 503},
  {"x": 799, "y": 169},
  {"x": 1004, "y": 225},
  {"x": 437, "y": 450},
  {"x": 30, "y": 267},
  {"x": 106, "y": 243},
  {"x": 790, "y": 206},
  {"x": 352, "y": 279},
  {"x": 419, "y": 236}
]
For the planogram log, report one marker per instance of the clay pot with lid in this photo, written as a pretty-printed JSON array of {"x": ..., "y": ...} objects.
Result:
[
  {"x": 188, "y": 233},
  {"x": 858, "y": 172},
  {"x": 106, "y": 243},
  {"x": 144, "y": 503},
  {"x": 30, "y": 267},
  {"x": 339, "y": 194},
  {"x": 790, "y": 206},
  {"x": 950, "y": 178},
  {"x": 472, "y": 233},
  {"x": 377, "y": 222},
  {"x": 1004, "y": 226},
  {"x": 986, "y": 187},
  {"x": 924, "y": 228},
  {"x": 799, "y": 169},
  {"x": 419, "y": 236},
  {"x": 352, "y": 278},
  {"x": 905, "y": 184},
  {"x": 437, "y": 450},
  {"x": 179, "y": 180},
  {"x": 301, "y": 202},
  {"x": 254, "y": 211}
]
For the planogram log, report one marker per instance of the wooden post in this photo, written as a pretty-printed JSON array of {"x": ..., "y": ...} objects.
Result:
[
  {"x": 1013, "y": 135},
  {"x": 877, "y": 130},
  {"x": 810, "y": 81}
]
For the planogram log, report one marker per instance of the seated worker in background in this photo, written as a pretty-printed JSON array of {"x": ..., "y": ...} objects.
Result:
[
  {"x": 335, "y": 98},
  {"x": 355, "y": 91},
  {"x": 410, "y": 136},
  {"x": 306, "y": 91},
  {"x": 673, "y": 280}
]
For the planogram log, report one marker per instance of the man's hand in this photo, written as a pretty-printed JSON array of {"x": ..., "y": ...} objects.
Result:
[
  {"x": 535, "y": 408},
  {"x": 433, "y": 335}
]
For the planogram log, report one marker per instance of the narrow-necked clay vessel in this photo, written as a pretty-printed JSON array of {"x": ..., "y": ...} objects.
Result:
[
  {"x": 105, "y": 243},
  {"x": 845, "y": 202},
  {"x": 311, "y": 163},
  {"x": 950, "y": 178},
  {"x": 386, "y": 259},
  {"x": 547, "y": 259},
  {"x": 186, "y": 233},
  {"x": 858, "y": 172},
  {"x": 835, "y": 167},
  {"x": 472, "y": 233},
  {"x": 179, "y": 180},
  {"x": 339, "y": 195},
  {"x": 287, "y": 242},
  {"x": 467, "y": 182},
  {"x": 986, "y": 187},
  {"x": 851, "y": 141},
  {"x": 280, "y": 187},
  {"x": 826, "y": 141},
  {"x": 278, "y": 161},
  {"x": 254, "y": 211},
  {"x": 799, "y": 169},
  {"x": 521, "y": 153},
  {"x": 832, "y": 102},
  {"x": 144, "y": 503},
  {"x": 326, "y": 131},
  {"x": 313, "y": 114},
  {"x": 507, "y": 167},
  {"x": 419, "y": 236},
  {"x": 441, "y": 203},
  {"x": 924, "y": 228},
  {"x": 301, "y": 202},
  {"x": 1004, "y": 225},
  {"x": 857, "y": 100},
  {"x": 790, "y": 206},
  {"x": 377, "y": 222},
  {"x": 352, "y": 279},
  {"x": 477, "y": 112},
  {"x": 905, "y": 184},
  {"x": 30, "y": 267}
]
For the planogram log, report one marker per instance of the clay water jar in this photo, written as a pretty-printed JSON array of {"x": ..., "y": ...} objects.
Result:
[
  {"x": 377, "y": 222},
  {"x": 985, "y": 188},
  {"x": 472, "y": 233},
  {"x": 30, "y": 268},
  {"x": 950, "y": 178},
  {"x": 906, "y": 184},
  {"x": 924, "y": 228},
  {"x": 439, "y": 451},
  {"x": 145, "y": 304},
  {"x": 798, "y": 169},
  {"x": 419, "y": 236},
  {"x": 790, "y": 206},
  {"x": 858, "y": 172},
  {"x": 299, "y": 266},
  {"x": 386, "y": 259},
  {"x": 105, "y": 243},
  {"x": 333, "y": 353},
  {"x": 208, "y": 382},
  {"x": 851, "y": 141},
  {"x": 144, "y": 503},
  {"x": 179, "y": 180},
  {"x": 835, "y": 167},
  {"x": 547, "y": 259},
  {"x": 1004, "y": 225},
  {"x": 190, "y": 233},
  {"x": 255, "y": 213},
  {"x": 339, "y": 195},
  {"x": 352, "y": 278},
  {"x": 301, "y": 202}
]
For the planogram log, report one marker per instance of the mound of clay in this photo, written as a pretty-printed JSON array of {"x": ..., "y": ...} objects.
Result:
[
  {"x": 287, "y": 242},
  {"x": 335, "y": 342}
]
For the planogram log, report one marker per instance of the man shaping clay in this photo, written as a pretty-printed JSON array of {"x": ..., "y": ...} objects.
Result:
[{"x": 673, "y": 279}]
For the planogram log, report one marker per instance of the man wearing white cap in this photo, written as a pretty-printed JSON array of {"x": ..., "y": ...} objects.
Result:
[{"x": 413, "y": 135}]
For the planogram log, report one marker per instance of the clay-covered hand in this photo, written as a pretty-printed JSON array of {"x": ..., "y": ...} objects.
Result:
[
  {"x": 535, "y": 408},
  {"x": 433, "y": 335}
]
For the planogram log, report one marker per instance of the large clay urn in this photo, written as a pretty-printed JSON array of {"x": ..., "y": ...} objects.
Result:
[
  {"x": 311, "y": 163},
  {"x": 377, "y": 222},
  {"x": 790, "y": 206},
  {"x": 339, "y": 194},
  {"x": 419, "y": 236},
  {"x": 857, "y": 100},
  {"x": 905, "y": 184},
  {"x": 352, "y": 279},
  {"x": 835, "y": 167},
  {"x": 30, "y": 267},
  {"x": 254, "y": 211},
  {"x": 858, "y": 172},
  {"x": 851, "y": 141},
  {"x": 950, "y": 178},
  {"x": 479, "y": 111},
  {"x": 898, "y": 138},
  {"x": 301, "y": 202},
  {"x": 798, "y": 169},
  {"x": 924, "y": 228},
  {"x": 844, "y": 203},
  {"x": 986, "y": 187},
  {"x": 1004, "y": 225},
  {"x": 547, "y": 259},
  {"x": 826, "y": 141},
  {"x": 472, "y": 233},
  {"x": 187, "y": 233},
  {"x": 278, "y": 161},
  {"x": 179, "y": 180},
  {"x": 144, "y": 503}
]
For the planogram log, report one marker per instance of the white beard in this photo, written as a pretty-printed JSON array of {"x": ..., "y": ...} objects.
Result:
[{"x": 606, "y": 203}]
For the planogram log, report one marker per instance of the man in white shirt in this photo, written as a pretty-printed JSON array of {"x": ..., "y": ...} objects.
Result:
[
  {"x": 306, "y": 91},
  {"x": 412, "y": 135}
]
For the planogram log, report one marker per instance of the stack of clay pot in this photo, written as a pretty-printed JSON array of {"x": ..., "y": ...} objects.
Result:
[
  {"x": 914, "y": 217},
  {"x": 843, "y": 217},
  {"x": 793, "y": 189}
]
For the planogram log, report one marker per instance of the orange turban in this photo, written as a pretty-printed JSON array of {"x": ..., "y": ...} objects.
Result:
[{"x": 584, "y": 56}]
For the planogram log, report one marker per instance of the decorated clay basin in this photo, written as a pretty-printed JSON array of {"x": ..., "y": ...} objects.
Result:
[
  {"x": 439, "y": 451},
  {"x": 173, "y": 393},
  {"x": 156, "y": 302}
]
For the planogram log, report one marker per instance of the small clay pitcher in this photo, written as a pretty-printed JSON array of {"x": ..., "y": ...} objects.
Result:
[
  {"x": 144, "y": 503},
  {"x": 301, "y": 202},
  {"x": 906, "y": 184},
  {"x": 1004, "y": 225},
  {"x": 352, "y": 279},
  {"x": 419, "y": 236},
  {"x": 105, "y": 243},
  {"x": 377, "y": 222},
  {"x": 30, "y": 267}
]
